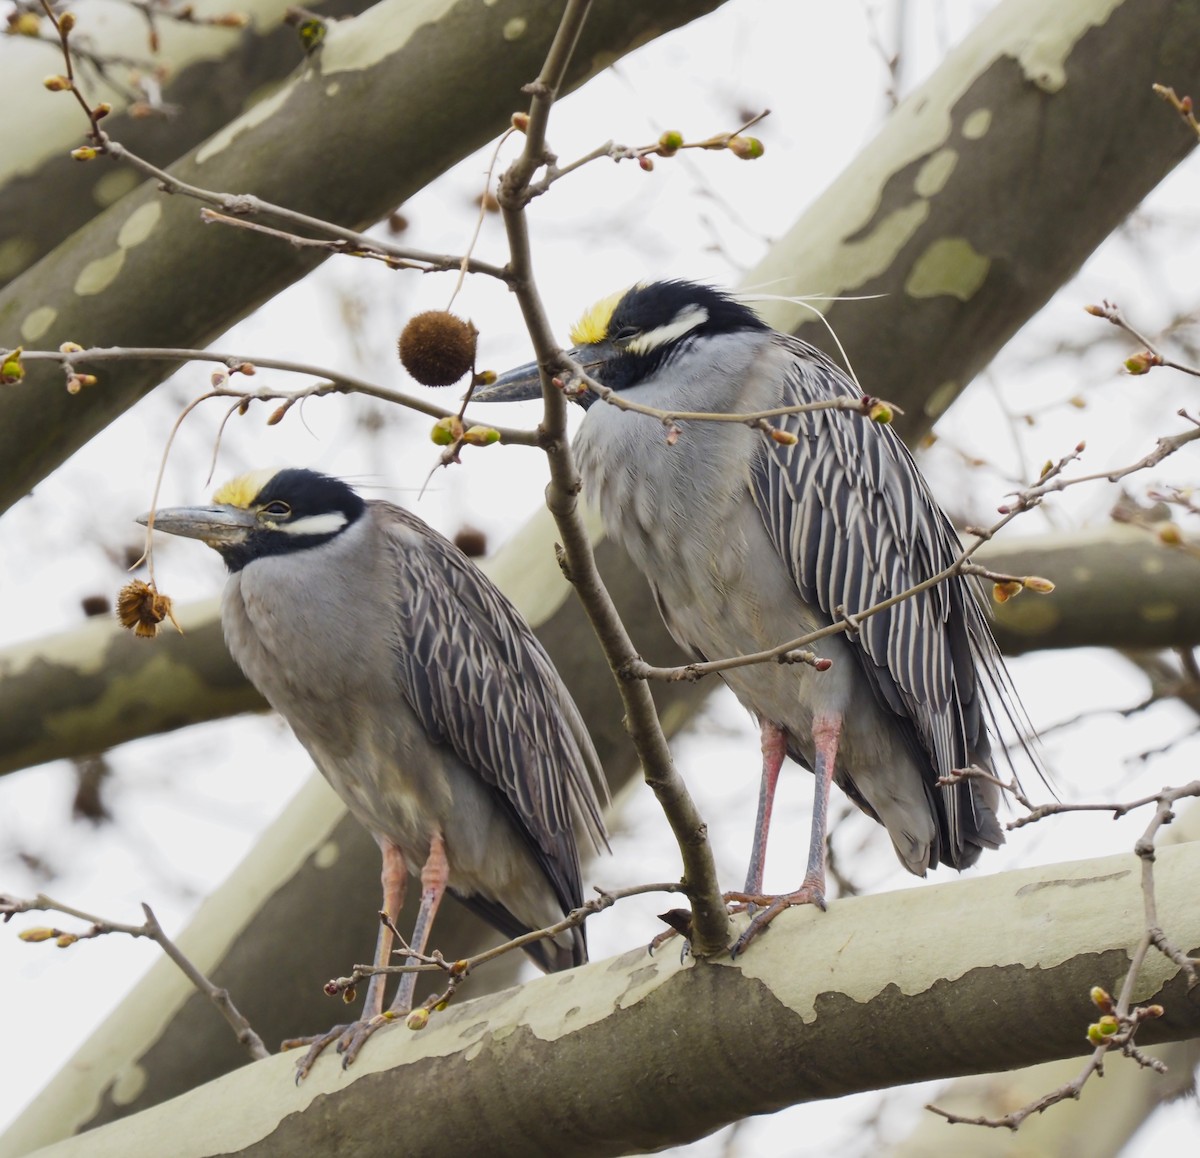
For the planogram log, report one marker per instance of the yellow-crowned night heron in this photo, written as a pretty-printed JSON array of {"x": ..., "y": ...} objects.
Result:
[
  {"x": 748, "y": 543},
  {"x": 424, "y": 699}
]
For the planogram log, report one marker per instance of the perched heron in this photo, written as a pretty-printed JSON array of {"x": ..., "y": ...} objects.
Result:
[
  {"x": 748, "y": 543},
  {"x": 422, "y": 696}
]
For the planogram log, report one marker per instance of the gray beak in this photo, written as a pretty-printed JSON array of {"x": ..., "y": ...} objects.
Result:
[
  {"x": 216, "y": 526},
  {"x": 524, "y": 382},
  {"x": 517, "y": 385}
]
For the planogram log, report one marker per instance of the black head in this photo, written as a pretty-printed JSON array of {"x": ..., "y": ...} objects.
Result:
[
  {"x": 625, "y": 338},
  {"x": 641, "y": 329},
  {"x": 267, "y": 513}
]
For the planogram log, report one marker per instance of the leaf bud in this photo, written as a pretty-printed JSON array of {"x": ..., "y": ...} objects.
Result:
[
  {"x": 11, "y": 369},
  {"x": 748, "y": 148},
  {"x": 38, "y": 933},
  {"x": 446, "y": 431},
  {"x": 670, "y": 142},
  {"x": 1007, "y": 589},
  {"x": 481, "y": 436},
  {"x": 24, "y": 24}
]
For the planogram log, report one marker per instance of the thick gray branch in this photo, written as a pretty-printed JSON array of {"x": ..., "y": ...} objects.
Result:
[
  {"x": 214, "y": 73},
  {"x": 637, "y": 1053},
  {"x": 986, "y": 190},
  {"x": 98, "y": 686},
  {"x": 391, "y": 99}
]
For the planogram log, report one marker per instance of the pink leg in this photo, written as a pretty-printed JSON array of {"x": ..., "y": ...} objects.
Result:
[
  {"x": 350, "y": 1037},
  {"x": 434, "y": 875},
  {"x": 774, "y": 749},
  {"x": 827, "y": 730}
]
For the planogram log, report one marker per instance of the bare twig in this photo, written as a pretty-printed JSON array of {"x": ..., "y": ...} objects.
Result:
[
  {"x": 435, "y": 962},
  {"x": 667, "y": 145},
  {"x": 1182, "y": 105},
  {"x": 100, "y": 926},
  {"x": 233, "y": 207},
  {"x": 1118, "y": 810},
  {"x": 331, "y": 381},
  {"x": 1051, "y": 480},
  {"x": 1119, "y": 1021},
  {"x": 1139, "y": 363},
  {"x": 710, "y": 919}
]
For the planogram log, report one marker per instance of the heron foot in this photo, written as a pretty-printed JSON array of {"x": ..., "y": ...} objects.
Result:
[
  {"x": 350, "y": 1039},
  {"x": 766, "y": 908}
]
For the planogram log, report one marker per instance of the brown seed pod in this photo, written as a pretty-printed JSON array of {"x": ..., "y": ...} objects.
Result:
[
  {"x": 437, "y": 348},
  {"x": 142, "y": 608}
]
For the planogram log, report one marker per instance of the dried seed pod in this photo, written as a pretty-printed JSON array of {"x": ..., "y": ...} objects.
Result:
[
  {"x": 141, "y": 608},
  {"x": 437, "y": 348}
]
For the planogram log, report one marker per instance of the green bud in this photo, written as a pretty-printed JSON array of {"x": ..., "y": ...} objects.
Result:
[
  {"x": 748, "y": 148},
  {"x": 670, "y": 142},
  {"x": 446, "y": 431},
  {"x": 11, "y": 369},
  {"x": 39, "y": 933},
  {"x": 481, "y": 436}
]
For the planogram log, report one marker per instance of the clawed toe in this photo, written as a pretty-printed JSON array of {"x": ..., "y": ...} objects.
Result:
[
  {"x": 766, "y": 908},
  {"x": 350, "y": 1039}
]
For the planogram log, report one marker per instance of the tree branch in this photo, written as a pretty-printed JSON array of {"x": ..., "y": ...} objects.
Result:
[
  {"x": 715, "y": 1042},
  {"x": 710, "y": 922}
]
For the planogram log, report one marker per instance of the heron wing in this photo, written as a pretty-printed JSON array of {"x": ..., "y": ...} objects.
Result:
[
  {"x": 849, "y": 512},
  {"x": 483, "y": 685}
]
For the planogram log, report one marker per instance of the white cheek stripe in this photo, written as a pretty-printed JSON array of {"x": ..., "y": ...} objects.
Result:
[
  {"x": 688, "y": 319},
  {"x": 326, "y": 524}
]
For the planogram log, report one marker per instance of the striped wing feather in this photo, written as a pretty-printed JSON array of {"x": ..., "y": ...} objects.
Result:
[
  {"x": 482, "y": 684},
  {"x": 847, "y": 509}
]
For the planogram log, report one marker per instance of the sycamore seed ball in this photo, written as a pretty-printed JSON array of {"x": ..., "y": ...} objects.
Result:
[{"x": 437, "y": 348}]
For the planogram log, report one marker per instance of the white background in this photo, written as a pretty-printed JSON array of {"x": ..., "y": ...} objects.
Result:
[{"x": 188, "y": 805}]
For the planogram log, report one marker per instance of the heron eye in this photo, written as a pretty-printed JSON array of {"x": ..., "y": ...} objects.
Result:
[
  {"x": 277, "y": 509},
  {"x": 625, "y": 335}
]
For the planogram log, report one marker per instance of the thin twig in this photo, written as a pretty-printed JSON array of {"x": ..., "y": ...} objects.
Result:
[
  {"x": 710, "y": 921},
  {"x": 795, "y": 650},
  {"x": 435, "y": 963},
  {"x": 332, "y": 381},
  {"x": 152, "y": 930}
]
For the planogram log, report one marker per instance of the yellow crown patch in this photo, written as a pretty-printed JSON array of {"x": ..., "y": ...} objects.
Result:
[
  {"x": 593, "y": 326},
  {"x": 241, "y": 491}
]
